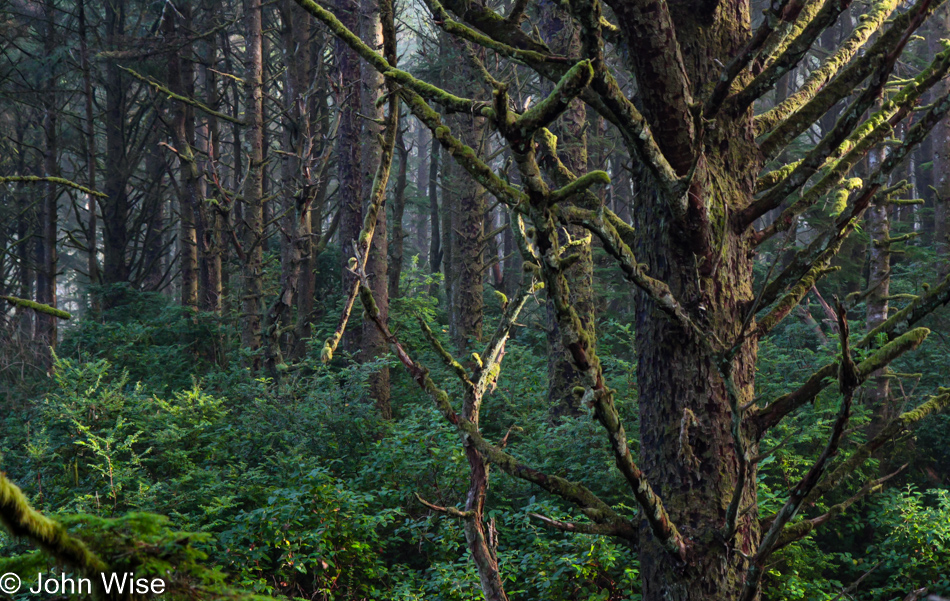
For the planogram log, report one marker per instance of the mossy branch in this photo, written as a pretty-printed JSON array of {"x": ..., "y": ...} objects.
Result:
[
  {"x": 901, "y": 423},
  {"x": 848, "y": 383},
  {"x": 579, "y": 185},
  {"x": 180, "y": 98},
  {"x": 545, "y": 112},
  {"x": 790, "y": 56},
  {"x": 25, "y": 522},
  {"x": 450, "y": 102},
  {"x": 35, "y": 306},
  {"x": 33, "y": 179},
  {"x": 797, "y": 532},
  {"x": 872, "y": 132},
  {"x": 587, "y": 501},
  {"x": 777, "y": 410},
  {"x": 831, "y": 65},
  {"x": 847, "y": 81}
]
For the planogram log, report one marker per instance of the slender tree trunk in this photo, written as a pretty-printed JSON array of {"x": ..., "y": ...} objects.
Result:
[
  {"x": 349, "y": 141},
  {"x": 207, "y": 219},
  {"x": 49, "y": 219},
  {"x": 153, "y": 247},
  {"x": 877, "y": 225},
  {"x": 115, "y": 210},
  {"x": 26, "y": 218},
  {"x": 373, "y": 343},
  {"x": 435, "y": 237},
  {"x": 254, "y": 181},
  {"x": 181, "y": 81},
  {"x": 92, "y": 243},
  {"x": 396, "y": 246}
]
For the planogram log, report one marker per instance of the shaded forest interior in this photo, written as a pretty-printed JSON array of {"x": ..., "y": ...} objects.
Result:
[{"x": 477, "y": 299}]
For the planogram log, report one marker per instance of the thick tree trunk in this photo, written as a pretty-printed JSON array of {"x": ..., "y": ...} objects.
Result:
[{"x": 687, "y": 450}]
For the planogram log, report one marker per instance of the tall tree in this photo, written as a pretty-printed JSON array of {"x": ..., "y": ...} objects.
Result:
[
  {"x": 253, "y": 212},
  {"x": 699, "y": 69},
  {"x": 47, "y": 255}
]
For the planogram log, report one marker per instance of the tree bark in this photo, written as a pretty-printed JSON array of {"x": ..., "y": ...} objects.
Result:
[
  {"x": 115, "y": 209},
  {"x": 349, "y": 173},
  {"x": 254, "y": 182},
  {"x": 396, "y": 245},
  {"x": 373, "y": 343},
  {"x": 49, "y": 219}
]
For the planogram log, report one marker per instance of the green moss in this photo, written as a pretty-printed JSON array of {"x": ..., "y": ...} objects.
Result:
[{"x": 38, "y": 307}]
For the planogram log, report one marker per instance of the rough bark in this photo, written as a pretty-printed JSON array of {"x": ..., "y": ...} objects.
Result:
[
  {"x": 877, "y": 225},
  {"x": 49, "y": 219},
  {"x": 115, "y": 207},
  {"x": 397, "y": 242},
  {"x": 254, "y": 181},
  {"x": 373, "y": 343},
  {"x": 572, "y": 148},
  {"x": 349, "y": 173}
]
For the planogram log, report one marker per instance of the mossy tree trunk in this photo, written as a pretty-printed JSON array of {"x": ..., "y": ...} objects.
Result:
[
  {"x": 373, "y": 343},
  {"x": 572, "y": 146}
]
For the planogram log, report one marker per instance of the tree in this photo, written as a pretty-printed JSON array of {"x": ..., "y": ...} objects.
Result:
[{"x": 691, "y": 247}]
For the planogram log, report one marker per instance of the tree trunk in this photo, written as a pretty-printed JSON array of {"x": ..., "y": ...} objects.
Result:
[
  {"x": 92, "y": 243},
  {"x": 373, "y": 343},
  {"x": 115, "y": 209},
  {"x": 877, "y": 225},
  {"x": 349, "y": 138},
  {"x": 47, "y": 255},
  {"x": 435, "y": 237},
  {"x": 254, "y": 182},
  {"x": 686, "y": 447},
  {"x": 181, "y": 75},
  {"x": 208, "y": 224},
  {"x": 396, "y": 246},
  {"x": 572, "y": 148}
]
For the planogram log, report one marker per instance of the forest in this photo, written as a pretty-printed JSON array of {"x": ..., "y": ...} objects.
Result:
[{"x": 453, "y": 300}]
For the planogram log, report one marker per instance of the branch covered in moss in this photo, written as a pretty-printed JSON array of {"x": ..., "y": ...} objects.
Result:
[
  {"x": 872, "y": 132},
  {"x": 545, "y": 112},
  {"x": 33, "y": 179},
  {"x": 25, "y": 522},
  {"x": 870, "y": 23},
  {"x": 35, "y": 306},
  {"x": 450, "y": 102},
  {"x": 899, "y": 424},
  {"x": 180, "y": 98},
  {"x": 797, "y": 532},
  {"x": 790, "y": 56},
  {"x": 784, "y": 405},
  {"x": 848, "y": 80}
]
